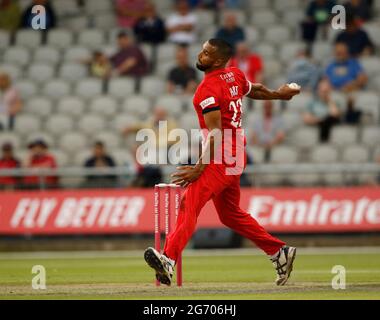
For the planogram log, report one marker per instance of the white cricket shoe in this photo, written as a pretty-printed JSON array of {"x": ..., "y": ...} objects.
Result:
[
  {"x": 161, "y": 264},
  {"x": 283, "y": 264}
]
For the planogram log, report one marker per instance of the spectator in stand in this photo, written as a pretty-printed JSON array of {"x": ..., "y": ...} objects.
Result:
[
  {"x": 129, "y": 11},
  {"x": 99, "y": 65},
  {"x": 357, "y": 39},
  {"x": 180, "y": 25},
  {"x": 40, "y": 158},
  {"x": 10, "y": 16},
  {"x": 100, "y": 159},
  {"x": 204, "y": 4},
  {"x": 8, "y": 161},
  {"x": 231, "y": 31},
  {"x": 323, "y": 111},
  {"x": 304, "y": 71},
  {"x": 50, "y": 16},
  {"x": 360, "y": 9},
  {"x": 10, "y": 102},
  {"x": 232, "y": 4},
  {"x": 318, "y": 15},
  {"x": 150, "y": 28},
  {"x": 268, "y": 131},
  {"x": 251, "y": 64},
  {"x": 352, "y": 115},
  {"x": 344, "y": 73},
  {"x": 182, "y": 78},
  {"x": 129, "y": 60}
]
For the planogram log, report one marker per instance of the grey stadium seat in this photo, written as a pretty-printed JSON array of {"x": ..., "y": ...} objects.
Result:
[
  {"x": 104, "y": 106},
  {"x": 371, "y": 66},
  {"x": 256, "y": 153},
  {"x": 171, "y": 103},
  {"x": 12, "y": 70},
  {"x": 289, "y": 51},
  {"x": 48, "y": 138},
  {"x": 17, "y": 55},
  {"x": 152, "y": 86},
  {"x": 10, "y": 137},
  {"x": 91, "y": 38},
  {"x": 91, "y": 124},
  {"x": 355, "y": 154},
  {"x": 263, "y": 18},
  {"x": 110, "y": 139},
  {"x": 98, "y": 6},
  {"x": 123, "y": 157},
  {"x": 188, "y": 121},
  {"x": 57, "y": 89},
  {"x": 343, "y": 135},
  {"x": 59, "y": 124},
  {"x": 166, "y": 52},
  {"x": 137, "y": 105},
  {"x": 292, "y": 120},
  {"x": 240, "y": 15},
  {"x": 277, "y": 34},
  {"x": 105, "y": 21},
  {"x": 300, "y": 102},
  {"x": 71, "y": 142},
  {"x": 47, "y": 55},
  {"x": 304, "y": 137},
  {"x": 71, "y": 106},
  {"x": 76, "y": 54},
  {"x": 265, "y": 50},
  {"x": 61, "y": 157},
  {"x": 26, "y": 124},
  {"x": 26, "y": 88},
  {"x": 4, "y": 39},
  {"x": 370, "y": 136},
  {"x": 89, "y": 88},
  {"x": 60, "y": 38},
  {"x": 40, "y": 106},
  {"x": 123, "y": 121},
  {"x": 324, "y": 154},
  {"x": 73, "y": 72},
  {"x": 81, "y": 157},
  {"x": 28, "y": 38},
  {"x": 121, "y": 87},
  {"x": 40, "y": 73}
]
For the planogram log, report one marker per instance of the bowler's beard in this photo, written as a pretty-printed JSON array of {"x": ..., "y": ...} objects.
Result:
[{"x": 201, "y": 67}]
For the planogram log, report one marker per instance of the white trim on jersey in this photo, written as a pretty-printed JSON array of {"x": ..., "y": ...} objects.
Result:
[{"x": 250, "y": 87}]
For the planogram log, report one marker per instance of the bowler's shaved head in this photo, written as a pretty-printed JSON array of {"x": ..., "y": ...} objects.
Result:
[{"x": 223, "y": 48}]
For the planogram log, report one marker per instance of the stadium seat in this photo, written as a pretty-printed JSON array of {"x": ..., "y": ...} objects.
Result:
[
  {"x": 71, "y": 106},
  {"x": 137, "y": 105},
  {"x": 207, "y": 34},
  {"x": 39, "y": 106},
  {"x": 104, "y": 106},
  {"x": 324, "y": 154},
  {"x": 123, "y": 157},
  {"x": 343, "y": 135},
  {"x": 17, "y": 55},
  {"x": 289, "y": 51},
  {"x": 65, "y": 8},
  {"x": 171, "y": 103},
  {"x": 12, "y": 70},
  {"x": 188, "y": 121},
  {"x": 292, "y": 120},
  {"x": 105, "y": 21},
  {"x": 60, "y": 38},
  {"x": 304, "y": 137},
  {"x": 89, "y": 88},
  {"x": 123, "y": 121},
  {"x": 28, "y": 38},
  {"x": 256, "y": 153},
  {"x": 240, "y": 16},
  {"x": 71, "y": 142},
  {"x": 26, "y": 88},
  {"x": 369, "y": 103},
  {"x": 355, "y": 154},
  {"x": 166, "y": 52},
  {"x": 97, "y": 6},
  {"x": 152, "y": 86},
  {"x": 121, "y": 87},
  {"x": 322, "y": 52},
  {"x": 373, "y": 29},
  {"x": 286, "y": 5},
  {"x": 252, "y": 35},
  {"x": 163, "y": 68},
  {"x": 4, "y": 39},
  {"x": 60, "y": 157},
  {"x": 283, "y": 154},
  {"x": 272, "y": 67},
  {"x": 293, "y": 17},
  {"x": 370, "y": 136},
  {"x": 81, "y": 157},
  {"x": 371, "y": 66},
  {"x": 26, "y": 124},
  {"x": 300, "y": 102},
  {"x": 56, "y": 89},
  {"x": 40, "y": 73},
  {"x": 45, "y": 54},
  {"x": 59, "y": 124},
  {"x": 76, "y": 24},
  {"x": 12, "y": 138},
  {"x": 258, "y": 4},
  {"x": 263, "y": 18},
  {"x": 205, "y": 19},
  {"x": 49, "y": 139},
  {"x": 110, "y": 139},
  {"x": 91, "y": 38},
  {"x": 91, "y": 124},
  {"x": 265, "y": 50},
  {"x": 72, "y": 71},
  {"x": 77, "y": 54},
  {"x": 277, "y": 34}
]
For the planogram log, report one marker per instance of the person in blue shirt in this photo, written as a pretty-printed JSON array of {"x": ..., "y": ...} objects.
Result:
[
  {"x": 345, "y": 73},
  {"x": 231, "y": 32}
]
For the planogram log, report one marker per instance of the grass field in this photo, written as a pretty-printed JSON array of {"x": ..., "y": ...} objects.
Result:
[{"x": 216, "y": 274}]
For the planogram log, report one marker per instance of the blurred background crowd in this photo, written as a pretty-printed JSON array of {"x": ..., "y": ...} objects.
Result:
[{"x": 76, "y": 93}]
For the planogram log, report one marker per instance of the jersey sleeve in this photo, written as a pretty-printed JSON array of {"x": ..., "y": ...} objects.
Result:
[
  {"x": 208, "y": 100},
  {"x": 245, "y": 84}
]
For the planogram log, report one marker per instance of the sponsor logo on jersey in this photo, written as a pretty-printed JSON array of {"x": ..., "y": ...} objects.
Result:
[{"x": 207, "y": 102}]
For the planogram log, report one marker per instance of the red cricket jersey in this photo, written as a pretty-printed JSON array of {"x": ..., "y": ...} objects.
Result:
[
  {"x": 8, "y": 164},
  {"x": 223, "y": 90},
  {"x": 42, "y": 161}
]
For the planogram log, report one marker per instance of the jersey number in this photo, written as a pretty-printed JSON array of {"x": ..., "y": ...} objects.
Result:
[{"x": 237, "y": 107}]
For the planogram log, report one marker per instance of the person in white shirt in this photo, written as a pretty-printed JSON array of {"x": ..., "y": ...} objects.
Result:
[
  {"x": 10, "y": 102},
  {"x": 181, "y": 24}
]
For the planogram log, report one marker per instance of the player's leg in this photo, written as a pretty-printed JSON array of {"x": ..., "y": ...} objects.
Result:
[
  {"x": 196, "y": 195},
  {"x": 227, "y": 204}
]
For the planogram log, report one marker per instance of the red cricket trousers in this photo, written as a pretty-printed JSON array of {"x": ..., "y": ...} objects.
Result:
[{"x": 224, "y": 190}]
